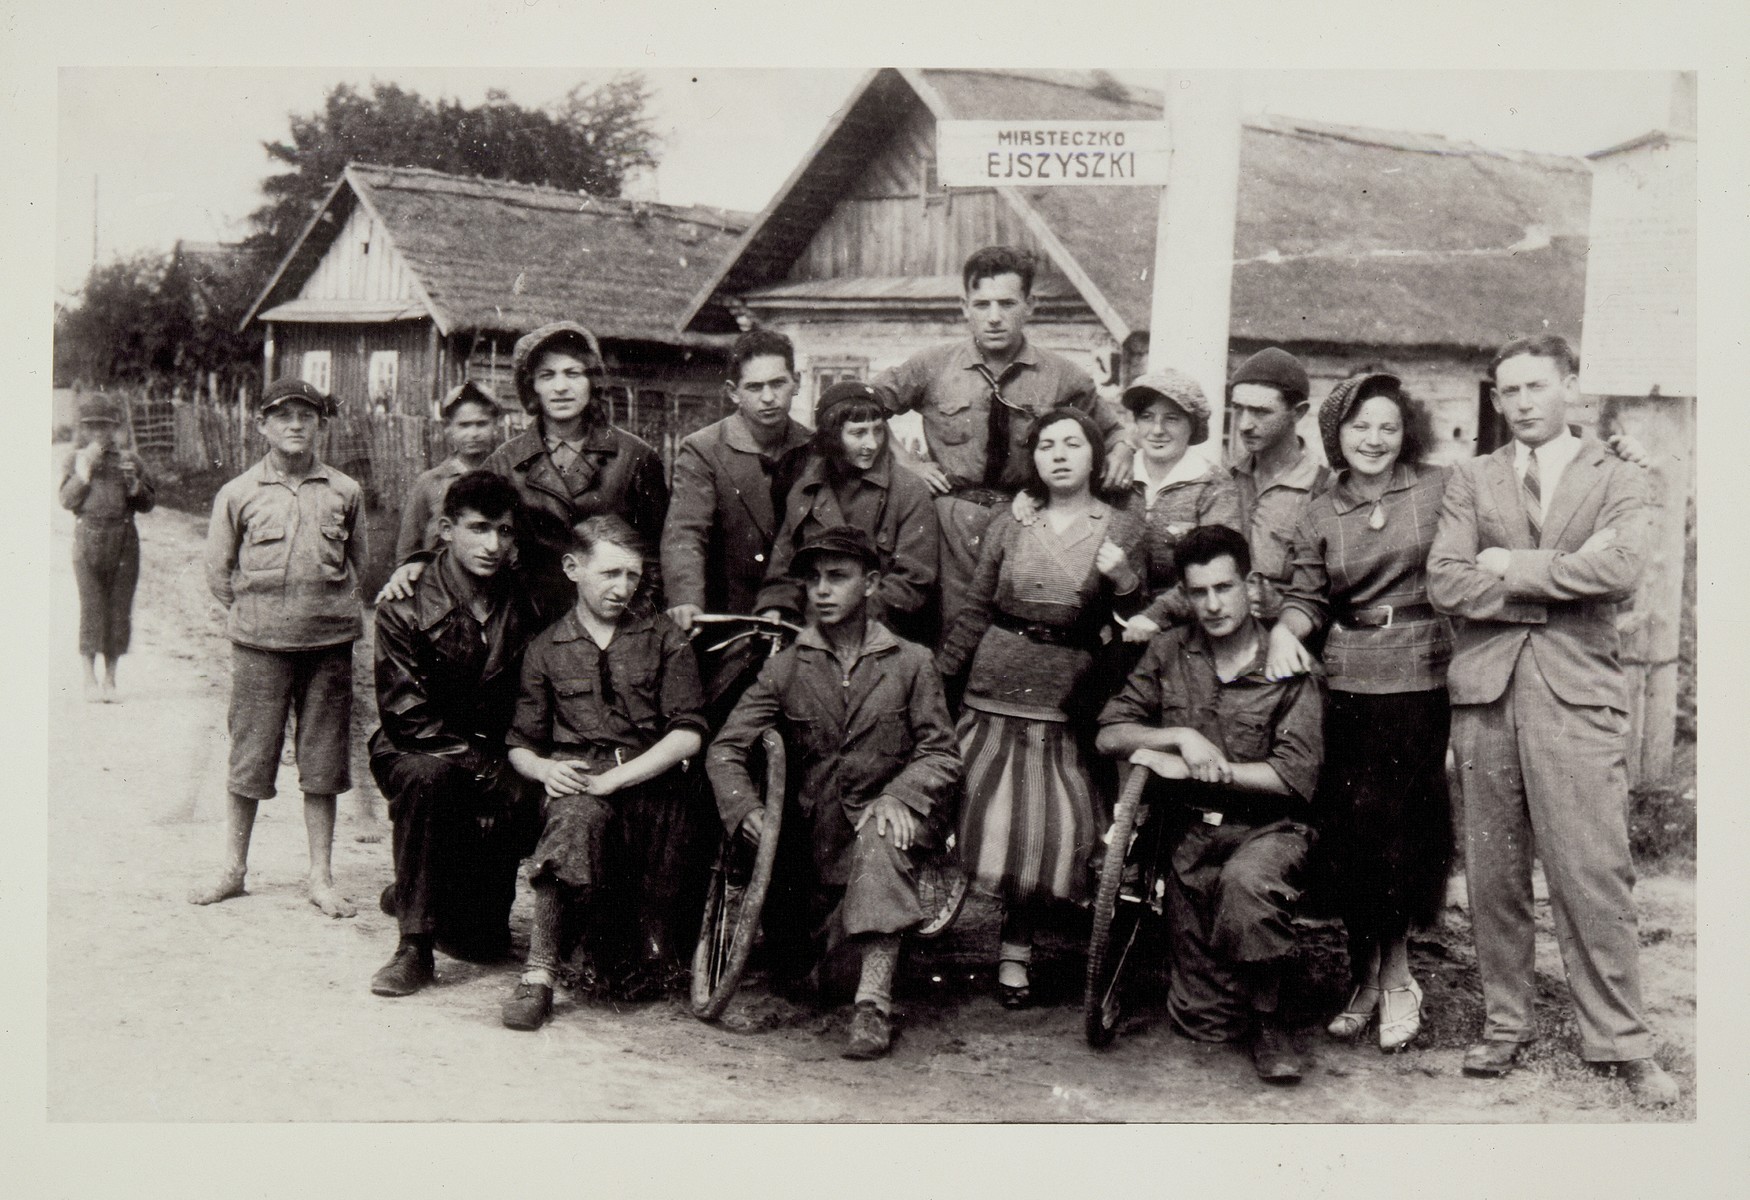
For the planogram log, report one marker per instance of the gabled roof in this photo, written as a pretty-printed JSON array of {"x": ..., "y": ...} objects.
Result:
[
  {"x": 491, "y": 255},
  {"x": 1344, "y": 235}
]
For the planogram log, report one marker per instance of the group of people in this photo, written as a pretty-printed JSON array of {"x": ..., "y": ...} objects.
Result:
[{"x": 991, "y": 633}]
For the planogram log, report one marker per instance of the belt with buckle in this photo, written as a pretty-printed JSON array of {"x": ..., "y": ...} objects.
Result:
[
  {"x": 988, "y": 497},
  {"x": 1034, "y": 631},
  {"x": 1384, "y": 616}
]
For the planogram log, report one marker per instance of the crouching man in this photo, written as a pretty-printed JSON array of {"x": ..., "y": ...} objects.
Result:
[
  {"x": 866, "y": 728},
  {"x": 1198, "y": 709},
  {"x": 447, "y": 663},
  {"x": 609, "y": 709}
]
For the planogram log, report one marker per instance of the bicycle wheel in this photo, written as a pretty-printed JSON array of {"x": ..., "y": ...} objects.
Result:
[
  {"x": 1117, "y": 921},
  {"x": 732, "y": 911}
]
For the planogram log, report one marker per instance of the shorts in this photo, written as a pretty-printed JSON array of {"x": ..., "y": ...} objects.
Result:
[{"x": 268, "y": 684}]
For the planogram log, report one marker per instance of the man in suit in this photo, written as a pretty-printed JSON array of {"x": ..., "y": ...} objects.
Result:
[
  {"x": 730, "y": 483},
  {"x": 1537, "y": 544}
]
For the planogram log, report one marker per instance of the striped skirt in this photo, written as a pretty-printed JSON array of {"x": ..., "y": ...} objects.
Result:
[{"x": 1028, "y": 823}]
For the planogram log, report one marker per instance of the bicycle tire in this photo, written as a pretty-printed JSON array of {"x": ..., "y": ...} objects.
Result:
[
  {"x": 726, "y": 939},
  {"x": 1114, "y": 932}
]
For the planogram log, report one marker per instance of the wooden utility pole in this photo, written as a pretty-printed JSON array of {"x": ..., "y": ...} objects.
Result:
[{"x": 1194, "y": 237}]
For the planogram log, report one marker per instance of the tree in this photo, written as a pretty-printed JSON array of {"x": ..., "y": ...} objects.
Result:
[{"x": 586, "y": 141}]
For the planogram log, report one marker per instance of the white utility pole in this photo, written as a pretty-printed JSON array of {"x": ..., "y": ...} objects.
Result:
[{"x": 1194, "y": 238}]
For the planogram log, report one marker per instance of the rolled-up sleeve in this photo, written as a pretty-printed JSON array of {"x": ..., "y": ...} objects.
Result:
[
  {"x": 682, "y": 699},
  {"x": 1297, "y": 742}
]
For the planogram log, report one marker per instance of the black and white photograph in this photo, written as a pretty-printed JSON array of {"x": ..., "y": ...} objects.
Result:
[{"x": 820, "y": 592}]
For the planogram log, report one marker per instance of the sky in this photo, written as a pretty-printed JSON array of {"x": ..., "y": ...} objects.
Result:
[{"x": 177, "y": 152}]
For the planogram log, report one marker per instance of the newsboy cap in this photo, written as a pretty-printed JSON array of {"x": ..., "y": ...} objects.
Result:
[
  {"x": 1277, "y": 368},
  {"x": 281, "y": 390},
  {"x": 99, "y": 407},
  {"x": 846, "y": 540},
  {"x": 1177, "y": 389}
]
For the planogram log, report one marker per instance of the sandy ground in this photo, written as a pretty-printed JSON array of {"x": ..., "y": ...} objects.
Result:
[{"x": 259, "y": 1010}]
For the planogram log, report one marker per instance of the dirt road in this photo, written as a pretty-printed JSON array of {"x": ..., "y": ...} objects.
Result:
[{"x": 258, "y": 1009}]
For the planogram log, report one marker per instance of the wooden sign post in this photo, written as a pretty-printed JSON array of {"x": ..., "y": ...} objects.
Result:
[{"x": 1192, "y": 155}]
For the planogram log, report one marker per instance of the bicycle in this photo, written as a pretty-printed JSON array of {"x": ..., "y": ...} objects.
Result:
[{"x": 1133, "y": 885}]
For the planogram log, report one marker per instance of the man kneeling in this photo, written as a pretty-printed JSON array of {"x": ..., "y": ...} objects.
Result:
[
  {"x": 866, "y": 727},
  {"x": 447, "y": 659},
  {"x": 1199, "y": 709}
]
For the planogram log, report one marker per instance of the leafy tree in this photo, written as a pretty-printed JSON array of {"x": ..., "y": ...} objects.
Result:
[{"x": 587, "y": 141}]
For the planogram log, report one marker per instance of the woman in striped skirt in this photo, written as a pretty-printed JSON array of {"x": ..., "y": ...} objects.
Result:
[{"x": 1040, "y": 604}]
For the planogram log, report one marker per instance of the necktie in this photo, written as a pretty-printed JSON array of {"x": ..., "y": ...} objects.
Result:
[
  {"x": 996, "y": 446},
  {"x": 1533, "y": 496}
]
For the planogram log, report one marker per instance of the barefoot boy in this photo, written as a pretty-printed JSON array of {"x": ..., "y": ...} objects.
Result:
[
  {"x": 609, "y": 706},
  {"x": 867, "y": 727},
  {"x": 283, "y": 553}
]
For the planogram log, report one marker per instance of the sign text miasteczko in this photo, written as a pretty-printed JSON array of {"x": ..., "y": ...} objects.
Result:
[{"x": 1051, "y": 153}]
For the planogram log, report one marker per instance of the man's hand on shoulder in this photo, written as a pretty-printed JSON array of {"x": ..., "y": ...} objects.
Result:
[
  {"x": 1118, "y": 466},
  {"x": 400, "y": 584}
]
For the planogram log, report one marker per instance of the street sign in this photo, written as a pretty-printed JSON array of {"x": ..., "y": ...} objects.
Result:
[{"x": 1051, "y": 153}]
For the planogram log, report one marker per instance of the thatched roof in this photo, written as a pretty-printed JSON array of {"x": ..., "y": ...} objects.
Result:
[
  {"x": 1344, "y": 236},
  {"x": 497, "y": 256}
]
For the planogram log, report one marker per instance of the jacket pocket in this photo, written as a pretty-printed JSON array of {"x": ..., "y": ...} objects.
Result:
[
  {"x": 577, "y": 705},
  {"x": 265, "y": 548},
  {"x": 951, "y": 421}
]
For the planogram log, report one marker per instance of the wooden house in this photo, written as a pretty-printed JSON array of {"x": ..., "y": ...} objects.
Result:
[
  {"x": 406, "y": 282},
  {"x": 1353, "y": 247}
]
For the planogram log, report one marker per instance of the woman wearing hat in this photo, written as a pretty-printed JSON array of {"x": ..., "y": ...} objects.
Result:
[
  {"x": 1178, "y": 491},
  {"x": 573, "y": 464},
  {"x": 104, "y": 483},
  {"x": 1039, "y": 608},
  {"x": 1360, "y": 571}
]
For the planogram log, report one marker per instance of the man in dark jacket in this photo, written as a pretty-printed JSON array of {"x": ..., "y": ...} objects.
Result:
[
  {"x": 730, "y": 484},
  {"x": 867, "y": 729},
  {"x": 447, "y": 661}
]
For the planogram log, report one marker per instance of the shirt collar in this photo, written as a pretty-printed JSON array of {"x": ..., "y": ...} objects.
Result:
[
  {"x": 1302, "y": 476},
  {"x": 272, "y": 474},
  {"x": 970, "y": 358},
  {"x": 739, "y": 436},
  {"x": 1189, "y": 467},
  {"x": 570, "y": 629},
  {"x": 1345, "y": 499},
  {"x": 1560, "y": 449},
  {"x": 876, "y": 638},
  {"x": 1198, "y": 643},
  {"x": 440, "y": 592}
]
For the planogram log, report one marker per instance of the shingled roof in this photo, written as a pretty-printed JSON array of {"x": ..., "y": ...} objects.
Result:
[
  {"x": 491, "y": 255},
  {"x": 1344, "y": 235}
]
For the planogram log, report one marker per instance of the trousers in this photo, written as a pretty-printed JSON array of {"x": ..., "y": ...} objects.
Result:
[
  {"x": 106, "y": 566},
  {"x": 1230, "y": 907},
  {"x": 1546, "y": 776},
  {"x": 455, "y": 875}
]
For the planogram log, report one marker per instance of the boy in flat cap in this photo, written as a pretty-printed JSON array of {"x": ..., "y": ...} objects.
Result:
[
  {"x": 284, "y": 550},
  {"x": 870, "y": 740},
  {"x": 471, "y": 428},
  {"x": 851, "y": 478},
  {"x": 609, "y": 708},
  {"x": 104, "y": 483}
]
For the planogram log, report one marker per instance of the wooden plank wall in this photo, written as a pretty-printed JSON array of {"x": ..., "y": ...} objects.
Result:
[
  {"x": 361, "y": 264},
  {"x": 350, "y": 347},
  {"x": 889, "y": 224}
]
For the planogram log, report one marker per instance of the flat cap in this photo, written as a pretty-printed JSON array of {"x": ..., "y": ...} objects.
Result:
[
  {"x": 99, "y": 407},
  {"x": 846, "y": 540},
  {"x": 281, "y": 390}
]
